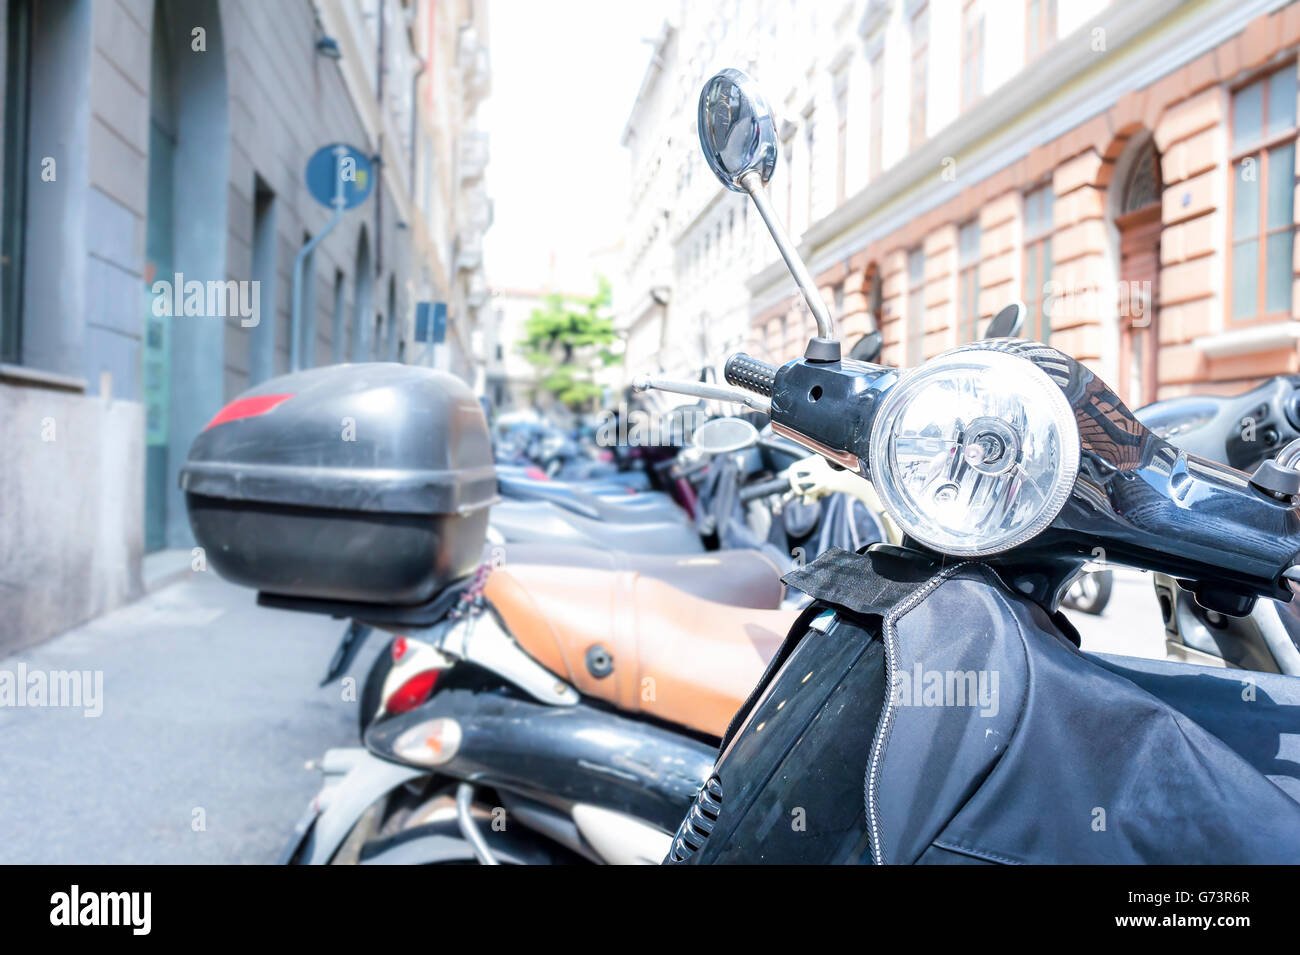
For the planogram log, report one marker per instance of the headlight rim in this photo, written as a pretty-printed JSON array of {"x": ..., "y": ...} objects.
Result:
[{"x": 895, "y": 401}]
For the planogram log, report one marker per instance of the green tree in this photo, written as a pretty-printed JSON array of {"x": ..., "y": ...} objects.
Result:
[{"x": 568, "y": 340}]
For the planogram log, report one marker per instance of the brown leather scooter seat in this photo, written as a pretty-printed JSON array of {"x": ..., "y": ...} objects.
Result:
[{"x": 675, "y": 657}]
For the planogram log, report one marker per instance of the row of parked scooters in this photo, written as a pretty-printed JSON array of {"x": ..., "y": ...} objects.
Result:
[
  {"x": 827, "y": 629},
  {"x": 647, "y": 601}
]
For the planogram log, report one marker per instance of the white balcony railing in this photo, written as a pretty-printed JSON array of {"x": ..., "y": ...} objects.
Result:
[
  {"x": 476, "y": 209},
  {"x": 473, "y": 157},
  {"x": 469, "y": 251}
]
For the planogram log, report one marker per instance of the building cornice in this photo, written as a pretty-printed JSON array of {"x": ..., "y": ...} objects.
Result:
[
  {"x": 652, "y": 71},
  {"x": 1250, "y": 340}
]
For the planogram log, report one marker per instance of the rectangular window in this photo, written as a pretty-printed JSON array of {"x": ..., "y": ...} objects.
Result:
[
  {"x": 972, "y": 54},
  {"x": 14, "y": 196},
  {"x": 920, "y": 67},
  {"x": 810, "y": 148},
  {"x": 789, "y": 183},
  {"x": 877, "y": 112},
  {"x": 263, "y": 337},
  {"x": 1263, "y": 188},
  {"x": 841, "y": 133},
  {"x": 915, "y": 306},
  {"x": 968, "y": 280},
  {"x": 1040, "y": 27},
  {"x": 1038, "y": 262}
]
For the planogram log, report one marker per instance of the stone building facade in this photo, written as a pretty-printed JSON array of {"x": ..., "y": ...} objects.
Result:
[
  {"x": 1151, "y": 237},
  {"x": 149, "y": 140}
]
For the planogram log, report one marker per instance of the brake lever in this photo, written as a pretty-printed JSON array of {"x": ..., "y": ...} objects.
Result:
[{"x": 699, "y": 389}]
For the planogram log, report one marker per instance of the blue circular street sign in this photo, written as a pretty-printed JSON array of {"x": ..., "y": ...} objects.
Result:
[{"x": 339, "y": 172}]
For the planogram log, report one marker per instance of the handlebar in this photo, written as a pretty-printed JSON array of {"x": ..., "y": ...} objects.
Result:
[
  {"x": 753, "y": 492},
  {"x": 695, "y": 389},
  {"x": 749, "y": 373}
]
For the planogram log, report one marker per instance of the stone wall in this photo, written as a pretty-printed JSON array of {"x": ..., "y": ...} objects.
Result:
[{"x": 71, "y": 507}]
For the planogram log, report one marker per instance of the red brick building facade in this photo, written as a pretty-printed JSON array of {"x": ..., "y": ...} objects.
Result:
[{"x": 1153, "y": 241}]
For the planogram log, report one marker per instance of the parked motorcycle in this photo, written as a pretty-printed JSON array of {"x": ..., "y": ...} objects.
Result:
[
  {"x": 1247, "y": 432},
  {"x": 742, "y": 485},
  {"x": 579, "y": 690},
  {"x": 1090, "y": 592},
  {"x": 925, "y": 706},
  {"x": 561, "y": 717},
  {"x": 931, "y": 705}
]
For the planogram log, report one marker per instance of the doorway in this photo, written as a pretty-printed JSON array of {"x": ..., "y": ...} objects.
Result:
[
  {"x": 182, "y": 361},
  {"x": 1138, "y": 296},
  {"x": 159, "y": 232}
]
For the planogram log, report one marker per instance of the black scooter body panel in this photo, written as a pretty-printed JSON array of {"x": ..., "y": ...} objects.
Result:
[
  {"x": 561, "y": 755},
  {"x": 1069, "y": 759},
  {"x": 791, "y": 780}
]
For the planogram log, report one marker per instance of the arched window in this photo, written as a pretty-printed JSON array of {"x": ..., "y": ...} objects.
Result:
[
  {"x": 1142, "y": 187},
  {"x": 361, "y": 300},
  {"x": 338, "y": 340},
  {"x": 875, "y": 297}
]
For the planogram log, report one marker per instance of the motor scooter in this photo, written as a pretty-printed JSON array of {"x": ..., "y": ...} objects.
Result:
[
  {"x": 551, "y": 717},
  {"x": 556, "y": 711},
  {"x": 1242, "y": 431},
  {"x": 932, "y": 705}
]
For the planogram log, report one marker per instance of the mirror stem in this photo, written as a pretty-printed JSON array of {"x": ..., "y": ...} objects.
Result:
[{"x": 753, "y": 184}]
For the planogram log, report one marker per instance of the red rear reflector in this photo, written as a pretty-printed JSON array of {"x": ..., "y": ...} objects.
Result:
[
  {"x": 412, "y": 693},
  {"x": 537, "y": 474},
  {"x": 399, "y": 649},
  {"x": 246, "y": 408}
]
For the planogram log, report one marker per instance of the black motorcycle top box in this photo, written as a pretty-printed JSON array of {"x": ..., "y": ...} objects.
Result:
[{"x": 364, "y": 483}]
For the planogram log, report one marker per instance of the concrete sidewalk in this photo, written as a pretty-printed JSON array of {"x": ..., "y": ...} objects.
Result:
[{"x": 211, "y": 712}]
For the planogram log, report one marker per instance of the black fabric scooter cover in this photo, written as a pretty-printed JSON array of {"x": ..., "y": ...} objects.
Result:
[
  {"x": 1082, "y": 763},
  {"x": 1052, "y": 756}
]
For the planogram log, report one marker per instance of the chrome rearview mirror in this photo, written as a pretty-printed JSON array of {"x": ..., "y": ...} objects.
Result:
[
  {"x": 738, "y": 136},
  {"x": 1008, "y": 322},
  {"x": 725, "y": 435},
  {"x": 737, "y": 131},
  {"x": 868, "y": 347}
]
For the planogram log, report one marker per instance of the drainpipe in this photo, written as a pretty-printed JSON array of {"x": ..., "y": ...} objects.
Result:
[
  {"x": 300, "y": 278},
  {"x": 415, "y": 112},
  {"x": 379, "y": 154}
]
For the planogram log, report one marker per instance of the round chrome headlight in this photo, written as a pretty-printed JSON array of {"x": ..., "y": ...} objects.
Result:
[{"x": 974, "y": 452}]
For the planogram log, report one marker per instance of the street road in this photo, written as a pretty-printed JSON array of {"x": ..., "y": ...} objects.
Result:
[{"x": 211, "y": 711}]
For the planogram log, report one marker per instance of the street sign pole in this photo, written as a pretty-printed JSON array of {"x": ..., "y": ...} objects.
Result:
[
  {"x": 430, "y": 327},
  {"x": 295, "y": 343},
  {"x": 343, "y": 198},
  {"x": 429, "y": 339}
]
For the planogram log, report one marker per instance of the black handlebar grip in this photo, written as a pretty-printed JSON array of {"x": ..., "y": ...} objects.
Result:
[{"x": 752, "y": 374}]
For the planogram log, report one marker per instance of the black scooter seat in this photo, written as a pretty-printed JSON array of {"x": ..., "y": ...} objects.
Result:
[
  {"x": 617, "y": 506},
  {"x": 546, "y": 522}
]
